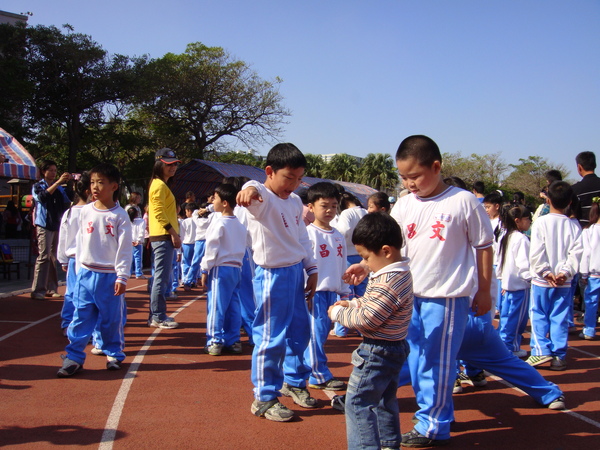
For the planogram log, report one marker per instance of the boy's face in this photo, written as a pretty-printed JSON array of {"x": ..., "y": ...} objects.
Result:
[
  {"x": 218, "y": 203},
  {"x": 102, "y": 189},
  {"x": 284, "y": 181},
  {"x": 188, "y": 212},
  {"x": 324, "y": 209},
  {"x": 421, "y": 180},
  {"x": 492, "y": 209},
  {"x": 378, "y": 260}
]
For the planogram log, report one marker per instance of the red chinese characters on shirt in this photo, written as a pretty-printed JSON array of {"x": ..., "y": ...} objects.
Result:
[
  {"x": 109, "y": 229},
  {"x": 437, "y": 229},
  {"x": 339, "y": 250},
  {"x": 90, "y": 228},
  {"x": 412, "y": 230},
  {"x": 324, "y": 252}
]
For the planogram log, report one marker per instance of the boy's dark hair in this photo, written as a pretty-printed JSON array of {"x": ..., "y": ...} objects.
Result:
[
  {"x": 111, "y": 173},
  {"x": 191, "y": 206},
  {"x": 82, "y": 186},
  {"x": 420, "y": 147},
  {"x": 494, "y": 198},
  {"x": 381, "y": 200},
  {"x": 553, "y": 175},
  {"x": 560, "y": 194},
  {"x": 206, "y": 212},
  {"x": 518, "y": 198},
  {"x": 574, "y": 208},
  {"x": 587, "y": 161},
  {"x": 227, "y": 192},
  {"x": 375, "y": 230},
  {"x": 303, "y": 194},
  {"x": 133, "y": 213},
  {"x": 456, "y": 182},
  {"x": 190, "y": 194},
  {"x": 479, "y": 187},
  {"x": 320, "y": 190},
  {"x": 594, "y": 211},
  {"x": 285, "y": 155}
]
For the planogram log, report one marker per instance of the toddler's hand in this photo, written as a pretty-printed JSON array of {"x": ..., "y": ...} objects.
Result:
[
  {"x": 551, "y": 279},
  {"x": 120, "y": 288},
  {"x": 355, "y": 274},
  {"x": 561, "y": 278}
]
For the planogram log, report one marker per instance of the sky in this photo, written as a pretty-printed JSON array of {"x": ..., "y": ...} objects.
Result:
[{"x": 520, "y": 77}]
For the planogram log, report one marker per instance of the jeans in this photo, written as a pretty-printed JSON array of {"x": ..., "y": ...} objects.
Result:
[
  {"x": 163, "y": 267},
  {"x": 372, "y": 413}
]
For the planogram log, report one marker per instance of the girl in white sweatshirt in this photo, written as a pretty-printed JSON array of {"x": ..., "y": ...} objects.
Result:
[
  {"x": 590, "y": 271},
  {"x": 512, "y": 271}
]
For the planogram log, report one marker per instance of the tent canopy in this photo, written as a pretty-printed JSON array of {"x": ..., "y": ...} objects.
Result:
[
  {"x": 202, "y": 177},
  {"x": 19, "y": 163}
]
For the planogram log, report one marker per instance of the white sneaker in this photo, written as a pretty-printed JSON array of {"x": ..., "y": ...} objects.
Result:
[
  {"x": 168, "y": 323},
  {"x": 97, "y": 351}
]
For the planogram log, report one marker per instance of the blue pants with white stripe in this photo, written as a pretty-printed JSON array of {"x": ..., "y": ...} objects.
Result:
[
  {"x": 187, "y": 256},
  {"x": 281, "y": 331},
  {"x": 320, "y": 324},
  {"x": 192, "y": 274},
  {"x": 435, "y": 334},
  {"x": 592, "y": 292},
  {"x": 549, "y": 314},
  {"x": 68, "y": 308},
  {"x": 224, "y": 319},
  {"x": 513, "y": 318},
  {"x": 94, "y": 297},
  {"x": 482, "y": 347},
  {"x": 247, "y": 301}
]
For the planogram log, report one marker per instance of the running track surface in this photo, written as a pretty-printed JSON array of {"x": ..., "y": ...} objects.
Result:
[{"x": 172, "y": 395}]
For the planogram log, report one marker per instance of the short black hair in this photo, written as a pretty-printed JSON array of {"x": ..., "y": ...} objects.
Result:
[
  {"x": 553, "y": 175},
  {"x": 82, "y": 186},
  {"x": 133, "y": 213},
  {"x": 587, "y": 160},
  {"x": 322, "y": 189},
  {"x": 381, "y": 200},
  {"x": 560, "y": 194},
  {"x": 191, "y": 206},
  {"x": 375, "y": 230},
  {"x": 422, "y": 148},
  {"x": 46, "y": 164},
  {"x": 111, "y": 173},
  {"x": 456, "y": 182},
  {"x": 479, "y": 187},
  {"x": 227, "y": 192},
  {"x": 494, "y": 198},
  {"x": 285, "y": 155}
]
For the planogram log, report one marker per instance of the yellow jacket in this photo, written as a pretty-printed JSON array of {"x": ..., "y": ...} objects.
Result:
[{"x": 162, "y": 210}]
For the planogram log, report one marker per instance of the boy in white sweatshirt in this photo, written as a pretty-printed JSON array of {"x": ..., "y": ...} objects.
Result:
[
  {"x": 282, "y": 253},
  {"x": 103, "y": 260},
  {"x": 554, "y": 256},
  {"x": 221, "y": 274}
]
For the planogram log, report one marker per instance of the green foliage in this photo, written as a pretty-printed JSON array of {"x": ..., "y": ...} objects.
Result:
[
  {"x": 378, "y": 171},
  {"x": 489, "y": 168},
  {"x": 315, "y": 166},
  {"x": 238, "y": 158},
  {"x": 341, "y": 167},
  {"x": 194, "y": 99}
]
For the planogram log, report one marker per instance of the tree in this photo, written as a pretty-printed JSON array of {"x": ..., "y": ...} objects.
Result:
[
  {"x": 238, "y": 157},
  {"x": 196, "y": 98},
  {"x": 74, "y": 79},
  {"x": 378, "y": 171},
  {"x": 341, "y": 167},
  {"x": 529, "y": 176},
  {"x": 315, "y": 165},
  {"x": 488, "y": 168}
]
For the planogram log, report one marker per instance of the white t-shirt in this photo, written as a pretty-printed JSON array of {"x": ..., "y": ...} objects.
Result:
[
  {"x": 590, "y": 260},
  {"x": 439, "y": 235},
  {"x": 514, "y": 274},
  {"x": 346, "y": 224},
  {"x": 67, "y": 235},
  {"x": 329, "y": 250},
  {"x": 104, "y": 241},
  {"x": 187, "y": 230},
  {"x": 279, "y": 237},
  {"x": 225, "y": 243},
  {"x": 555, "y": 247}
]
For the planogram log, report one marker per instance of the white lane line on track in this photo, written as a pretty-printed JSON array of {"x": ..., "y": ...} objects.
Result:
[
  {"x": 112, "y": 423},
  {"x": 32, "y": 324}
]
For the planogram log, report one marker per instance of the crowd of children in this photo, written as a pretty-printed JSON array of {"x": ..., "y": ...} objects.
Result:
[{"x": 440, "y": 267}]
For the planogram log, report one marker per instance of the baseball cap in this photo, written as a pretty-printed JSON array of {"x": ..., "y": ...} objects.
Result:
[{"x": 166, "y": 155}]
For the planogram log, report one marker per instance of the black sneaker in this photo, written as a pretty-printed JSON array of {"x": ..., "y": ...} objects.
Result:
[
  {"x": 301, "y": 396},
  {"x": 414, "y": 439},
  {"x": 479, "y": 379},
  {"x": 113, "y": 364},
  {"x": 69, "y": 368},
  {"x": 330, "y": 385}
]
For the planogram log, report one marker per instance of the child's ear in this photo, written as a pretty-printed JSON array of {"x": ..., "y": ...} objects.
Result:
[
  {"x": 386, "y": 251},
  {"x": 269, "y": 171},
  {"x": 310, "y": 207}
]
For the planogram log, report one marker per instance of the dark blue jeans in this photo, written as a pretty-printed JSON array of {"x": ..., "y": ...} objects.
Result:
[
  {"x": 372, "y": 419},
  {"x": 163, "y": 267}
]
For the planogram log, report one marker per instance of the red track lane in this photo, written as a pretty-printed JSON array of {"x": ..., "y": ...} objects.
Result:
[{"x": 179, "y": 397}]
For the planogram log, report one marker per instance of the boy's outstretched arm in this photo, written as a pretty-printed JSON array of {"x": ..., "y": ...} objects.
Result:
[
  {"x": 482, "y": 302},
  {"x": 355, "y": 274},
  {"x": 245, "y": 196}
]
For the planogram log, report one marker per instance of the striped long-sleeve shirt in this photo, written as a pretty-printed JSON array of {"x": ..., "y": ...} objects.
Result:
[{"x": 384, "y": 311}]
